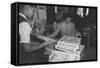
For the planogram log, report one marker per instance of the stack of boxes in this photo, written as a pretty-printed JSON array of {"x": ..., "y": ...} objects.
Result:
[{"x": 66, "y": 49}]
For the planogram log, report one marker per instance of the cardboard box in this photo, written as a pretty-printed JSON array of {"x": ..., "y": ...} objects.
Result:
[
  {"x": 67, "y": 43},
  {"x": 58, "y": 56}
]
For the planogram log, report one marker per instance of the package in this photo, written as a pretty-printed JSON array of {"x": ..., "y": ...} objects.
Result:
[
  {"x": 81, "y": 48},
  {"x": 58, "y": 56},
  {"x": 68, "y": 49},
  {"x": 67, "y": 43},
  {"x": 70, "y": 40}
]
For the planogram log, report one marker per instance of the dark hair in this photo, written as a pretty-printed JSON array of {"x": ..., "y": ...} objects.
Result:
[
  {"x": 63, "y": 18},
  {"x": 22, "y": 7},
  {"x": 66, "y": 15},
  {"x": 60, "y": 20}
]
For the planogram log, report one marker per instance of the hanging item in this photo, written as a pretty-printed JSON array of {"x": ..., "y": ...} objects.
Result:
[
  {"x": 80, "y": 12},
  {"x": 87, "y": 11},
  {"x": 55, "y": 9}
]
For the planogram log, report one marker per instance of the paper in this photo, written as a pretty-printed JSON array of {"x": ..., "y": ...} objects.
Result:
[
  {"x": 67, "y": 43},
  {"x": 70, "y": 40},
  {"x": 69, "y": 49},
  {"x": 58, "y": 56}
]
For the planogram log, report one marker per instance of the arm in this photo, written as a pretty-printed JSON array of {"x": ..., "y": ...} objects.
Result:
[
  {"x": 77, "y": 33},
  {"x": 24, "y": 32},
  {"x": 31, "y": 47},
  {"x": 55, "y": 33},
  {"x": 73, "y": 30}
]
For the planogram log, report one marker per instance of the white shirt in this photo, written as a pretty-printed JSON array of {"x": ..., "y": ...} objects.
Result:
[{"x": 24, "y": 31}]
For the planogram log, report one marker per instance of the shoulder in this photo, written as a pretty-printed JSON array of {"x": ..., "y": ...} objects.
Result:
[
  {"x": 58, "y": 25},
  {"x": 71, "y": 24},
  {"x": 24, "y": 24},
  {"x": 21, "y": 19},
  {"x": 61, "y": 23}
]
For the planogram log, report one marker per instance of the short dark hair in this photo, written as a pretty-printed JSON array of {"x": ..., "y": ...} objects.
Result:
[
  {"x": 66, "y": 15},
  {"x": 60, "y": 20},
  {"x": 22, "y": 7},
  {"x": 63, "y": 18}
]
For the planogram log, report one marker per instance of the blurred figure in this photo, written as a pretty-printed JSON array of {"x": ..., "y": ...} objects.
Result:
[{"x": 65, "y": 27}]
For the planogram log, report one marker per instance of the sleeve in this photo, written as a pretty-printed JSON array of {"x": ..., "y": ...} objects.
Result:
[{"x": 24, "y": 32}]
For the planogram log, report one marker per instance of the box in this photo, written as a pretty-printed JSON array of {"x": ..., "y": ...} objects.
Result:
[
  {"x": 67, "y": 43},
  {"x": 58, "y": 56}
]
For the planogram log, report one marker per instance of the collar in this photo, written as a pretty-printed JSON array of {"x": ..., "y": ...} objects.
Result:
[{"x": 23, "y": 16}]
